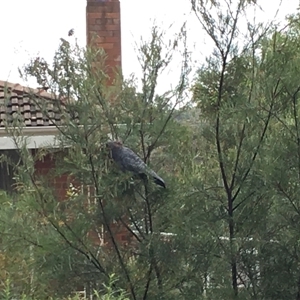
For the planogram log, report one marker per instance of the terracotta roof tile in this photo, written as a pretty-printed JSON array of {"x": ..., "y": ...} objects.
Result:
[{"x": 30, "y": 107}]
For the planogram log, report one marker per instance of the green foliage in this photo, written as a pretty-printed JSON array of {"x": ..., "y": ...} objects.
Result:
[
  {"x": 226, "y": 227},
  {"x": 80, "y": 237},
  {"x": 109, "y": 293}
]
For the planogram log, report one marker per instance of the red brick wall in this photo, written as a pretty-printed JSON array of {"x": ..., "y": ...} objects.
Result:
[
  {"x": 103, "y": 19},
  {"x": 45, "y": 165}
]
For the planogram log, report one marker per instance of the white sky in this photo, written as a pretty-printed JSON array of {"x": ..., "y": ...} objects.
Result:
[{"x": 31, "y": 27}]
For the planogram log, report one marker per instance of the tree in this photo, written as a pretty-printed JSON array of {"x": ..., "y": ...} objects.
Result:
[
  {"x": 58, "y": 238},
  {"x": 237, "y": 91}
]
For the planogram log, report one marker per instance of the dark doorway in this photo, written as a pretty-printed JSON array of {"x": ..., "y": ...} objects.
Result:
[{"x": 8, "y": 159}]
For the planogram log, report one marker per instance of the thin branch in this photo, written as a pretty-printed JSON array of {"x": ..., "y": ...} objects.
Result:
[
  {"x": 289, "y": 198},
  {"x": 274, "y": 95},
  {"x": 245, "y": 199},
  {"x": 148, "y": 282},
  {"x": 87, "y": 254},
  {"x": 244, "y": 125},
  {"x": 132, "y": 220},
  {"x": 130, "y": 230},
  {"x": 295, "y": 113},
  {"x": 217, "y": 129},
  {"x": 238, "y": 154}
]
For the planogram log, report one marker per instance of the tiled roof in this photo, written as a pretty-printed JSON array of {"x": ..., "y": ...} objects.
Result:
[{"x": 30, "y": 107}]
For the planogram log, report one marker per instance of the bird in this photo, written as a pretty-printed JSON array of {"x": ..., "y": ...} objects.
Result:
[
  {"x": 127, "y": 160},
  {"x": 71, "y": 32}
]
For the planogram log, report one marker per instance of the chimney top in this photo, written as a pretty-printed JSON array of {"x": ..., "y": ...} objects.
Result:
[
  {"x": 103, "y": 20},
  {"x": 102, "y": 1}
]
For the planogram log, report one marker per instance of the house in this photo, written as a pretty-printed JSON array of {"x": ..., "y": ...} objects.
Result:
[
  {"x": 102, "y": 21},
  {"x": 103, "y": 29},
  {"x": 16, "y": 104}
]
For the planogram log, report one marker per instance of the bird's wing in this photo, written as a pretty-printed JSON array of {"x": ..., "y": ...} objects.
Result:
[{"x": 132, "y": 162}]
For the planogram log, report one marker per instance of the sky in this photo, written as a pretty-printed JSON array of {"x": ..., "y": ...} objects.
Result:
[{"x": 34, "y": 27}]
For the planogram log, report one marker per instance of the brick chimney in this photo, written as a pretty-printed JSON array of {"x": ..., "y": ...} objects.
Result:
[
  {"x": 103, "y": 19},
  {"x": 103, "y": 28}
]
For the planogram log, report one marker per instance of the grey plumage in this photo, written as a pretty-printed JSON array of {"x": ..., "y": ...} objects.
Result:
[{"x": 127, "y": 160}]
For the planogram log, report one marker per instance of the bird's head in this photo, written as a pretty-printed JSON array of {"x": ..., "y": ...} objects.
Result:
[{"x": 114, "y": 144}]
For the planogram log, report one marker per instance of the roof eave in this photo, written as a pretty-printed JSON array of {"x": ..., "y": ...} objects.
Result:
[{"x": 34, "y": 130}]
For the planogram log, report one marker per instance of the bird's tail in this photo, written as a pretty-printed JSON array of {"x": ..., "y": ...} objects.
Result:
[{"x": 157, "y": 179}]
